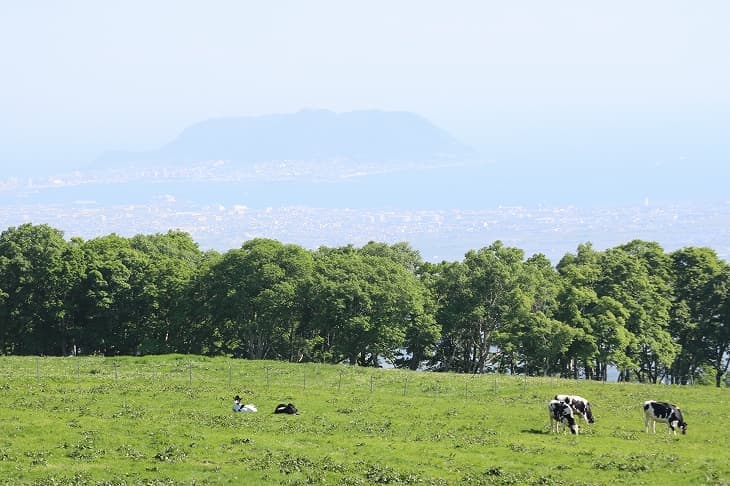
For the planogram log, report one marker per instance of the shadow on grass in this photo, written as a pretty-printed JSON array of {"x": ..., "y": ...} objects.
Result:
[{"x": 534, "y": 431}]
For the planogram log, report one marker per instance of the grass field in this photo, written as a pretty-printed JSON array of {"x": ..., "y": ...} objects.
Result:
[{"x": 168, "y": 420}]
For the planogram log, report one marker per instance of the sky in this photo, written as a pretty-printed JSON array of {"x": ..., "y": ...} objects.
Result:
[{"x": 81, "y": 77}]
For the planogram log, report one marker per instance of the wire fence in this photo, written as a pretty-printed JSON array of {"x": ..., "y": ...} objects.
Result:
[{"x": 186, "y": 372}]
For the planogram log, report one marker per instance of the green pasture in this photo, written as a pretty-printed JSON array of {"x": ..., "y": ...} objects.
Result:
[{"x": 168, "y": 420}]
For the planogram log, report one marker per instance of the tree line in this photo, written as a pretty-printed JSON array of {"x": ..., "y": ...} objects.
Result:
[{"x": 651, "y": 314}]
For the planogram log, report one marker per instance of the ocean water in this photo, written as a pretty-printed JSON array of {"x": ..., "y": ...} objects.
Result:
[{"x": 472, "y": 187}]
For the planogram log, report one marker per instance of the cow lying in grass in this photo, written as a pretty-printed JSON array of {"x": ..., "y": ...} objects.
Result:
[
  {"x": 286, "y": 408},
  {"x": 663, "y": 412},
  {"x": 561, "y": 413},
  {"x": 239, "y": 407},
  {"x": 580, "y": 406}
]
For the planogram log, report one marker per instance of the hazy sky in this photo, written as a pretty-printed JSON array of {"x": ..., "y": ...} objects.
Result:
[{"x": 85, "y": 76}]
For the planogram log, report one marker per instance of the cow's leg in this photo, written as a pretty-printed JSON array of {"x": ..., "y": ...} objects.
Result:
[
  {"x": 566, "y": 425},
  {"x": 650, "y": 422}
]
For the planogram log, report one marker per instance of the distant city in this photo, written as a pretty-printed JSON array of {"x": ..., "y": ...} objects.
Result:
[
  {"x": 287, "y": 177},
  {"x": 437, "y": 234}
]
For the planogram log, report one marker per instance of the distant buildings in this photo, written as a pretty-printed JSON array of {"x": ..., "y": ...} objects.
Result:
[{"x": 437, "y": 234}]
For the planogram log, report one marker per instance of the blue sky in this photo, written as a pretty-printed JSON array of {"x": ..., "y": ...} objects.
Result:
[{"x": 82, "y": 77}]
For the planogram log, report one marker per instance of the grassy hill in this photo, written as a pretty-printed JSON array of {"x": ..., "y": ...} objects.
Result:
[{"x": 168, "y": 420}]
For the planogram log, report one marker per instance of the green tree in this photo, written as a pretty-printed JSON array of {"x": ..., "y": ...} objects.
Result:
[
  {"x": 481, "y": 299},
  {"x": 537, "y": 337},
  {"x": 577, "y": 299},
  {"x": 172, "y": 260},
  {"x": 715, "y": 330},
  {"x": 448, "y": 281},
  {"x": 118, "y": 304},
  {"x": 698, "y": 314},
  {"x": 401, "y": 253},
  {"x": 423, "y": 332},
  {"x": 39, "y": 271},
  {"x": 637, "y": 275},
  {"x": 193, "y": 329},
  {"x": 599, "y": 320},
  {"x": 254, "y": 300},
  {"x": 363, "y": 305},
  {"x": 608, "y": 318}
]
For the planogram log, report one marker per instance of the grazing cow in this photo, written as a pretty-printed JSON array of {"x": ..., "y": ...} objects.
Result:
[
  {"x": 560, "y": 412},
  {"x": 580, "y": 405},
  {"x": 663, "y": 412},
  {"x": 288, "y": 408}
]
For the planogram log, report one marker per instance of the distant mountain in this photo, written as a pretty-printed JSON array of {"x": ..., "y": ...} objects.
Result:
[{"x": 309, "y": 135}]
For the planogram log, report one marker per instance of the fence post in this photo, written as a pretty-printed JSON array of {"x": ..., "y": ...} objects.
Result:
[
  {"x": 37, "y": 369},
  {"x": 339, "y": 385},
  {"x": 116, "y": 376},
  {"x": 405, "y": 386},
  {"x": 78, "y": 370},
  {"x": 190, "y": 373},
  {"x": 267, "y": 377},
  {"x": 304, "y": 373},
  {"x": 371, "y": 383}
]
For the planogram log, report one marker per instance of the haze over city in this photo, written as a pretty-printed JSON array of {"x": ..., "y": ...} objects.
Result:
[{"x": 570, "y": 123}]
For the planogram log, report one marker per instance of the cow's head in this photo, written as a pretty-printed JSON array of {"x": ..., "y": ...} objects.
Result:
[
  {"x": 682, "y": 425},
  {"x": 589, "y": 413},
  {"x": 680, "y": 420}
]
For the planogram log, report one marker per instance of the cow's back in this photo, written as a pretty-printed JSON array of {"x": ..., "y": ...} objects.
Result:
[{"x": 579, "y": 405}]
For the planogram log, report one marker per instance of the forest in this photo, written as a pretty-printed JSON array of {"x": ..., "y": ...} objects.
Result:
[{"x": 655, "y": 316}]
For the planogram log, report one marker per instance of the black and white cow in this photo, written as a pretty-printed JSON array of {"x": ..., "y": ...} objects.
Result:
[
  {"x": 663, "y": 412},
  {"x": 580, "y": 406},
  {"x": 286, "y": 408},
  {"x": 561, "y": 413}
]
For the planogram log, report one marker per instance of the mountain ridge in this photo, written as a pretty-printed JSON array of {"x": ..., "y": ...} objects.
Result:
[{"x": 307, "y": 135}]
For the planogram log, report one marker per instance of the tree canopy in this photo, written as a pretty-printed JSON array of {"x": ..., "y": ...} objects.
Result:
[{"x": 649, "y": 314}]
